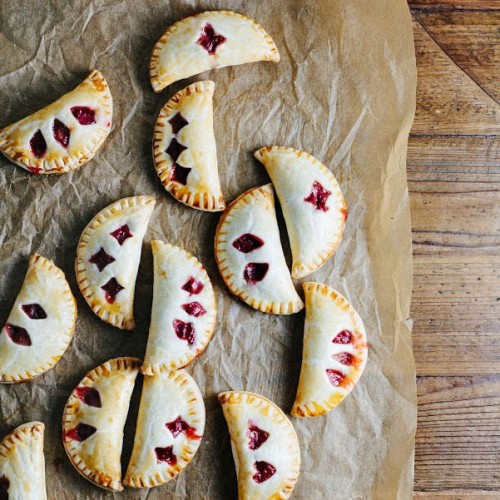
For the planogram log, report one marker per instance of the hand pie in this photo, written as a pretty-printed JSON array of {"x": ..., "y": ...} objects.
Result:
[
  {"x": 65, "y": 134},
  {"x": 22, "y": 464},
  {"x": 265, "y": 446},
  {"x": 249, "y": 254},
  {"x": 40, "y": 325},
  {"x": 313, "y": 206},
  {"x": 94, "y": 418},
  {"x": 169, "y": 429},
  {"x": 184, "y": 148},
  {"x": 183, "y": 313},
  {"x": 107, "y": 259},
  {"x": 208, "y": 40},
  {"x": 335, "y": 351}
]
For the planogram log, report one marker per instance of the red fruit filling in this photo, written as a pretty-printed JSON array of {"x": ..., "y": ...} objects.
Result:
[
  {"x": 166, "y": 455},
  {"x": 89, "y": 396},
  {"x": 192, "y": 286},
  {"x": 101, "y": 259},
  {"x": 343, "y": 337},
  {"x": 61, "y": 133},
  {"x": 121, "y": 234},
  {"x": 35, "y": 170},
  {"x": 318, "y": 196},
  {"x": 81, "y": 432},
  {"x": 38, "y": 145},
  {"x": 178, "y": 425},
  {"x": 18, "y": 335},
  {"x": 185, "y": 331},
  {"x": 4, "y": 487},
  {"x": 257, "y": 437},
  {"x": 34, "y": 311},
  {"x": 345, "y": 358},
  {"x": 194, "y": 309},
  {"x": 112, "y": 289},
  {"x": 175, "y": 149},
  {"x": 264, "y": 471},
  {"x": 255, "y": 272},
  {"x": 179, "y": 174},
  {"x": 335, "y": 377},
  {"x": 177, "y": 122},
  {"x": 345, "y": 213},
  {"x": 209, "y": 39},
  {"x": 83, "y": 115},
  {"x": 247, "y": 243}
]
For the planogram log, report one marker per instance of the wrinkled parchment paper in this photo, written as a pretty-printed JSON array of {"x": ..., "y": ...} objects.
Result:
[{"x": 343, "y": 91}]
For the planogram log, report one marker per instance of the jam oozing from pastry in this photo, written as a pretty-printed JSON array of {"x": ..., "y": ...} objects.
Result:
[
  {"x": 209, "y": 39},
  {"x": 61, "y": 133},
  {"x": 318, "y": 197},
  {"x": 345, "y": 358},
  {"x": 18, "y": 335},
  {"x": 264, "y": 471},
  {"x": 81, "y": 432},
  {"x": 335, "y": 377},
  {"x": 83, "y": 114},
  {"x": 177, "y": 122},
  {"x": 343, "y": 337},
  {"x": 247, "y": 243},
  {"x": 192, "y": 286},
  {"x": 175, "y": 149},
  {"x": 166, "y": 455},
  {"x": 257, "y": 436},
  {"x": 35, "y": 170},
  {"x": 34, "y": 311},
  {"x": 179, "y": 425},
  {"x": 38, "y": 145},
  {"x": 185, "y": 331},
  {"x": 255, "y": 272},
  {"x": 121, "y": 234},
  {"x": 89, "y": 395},
  {"x": 4, "y": 487},
  {"x": 179, "y": 174},
  {"x": 345, "y": 213},
  {"x": 101, "y": 259},
  {"x": 194, "y": 309},
  {"x": 112, "y": 289}
]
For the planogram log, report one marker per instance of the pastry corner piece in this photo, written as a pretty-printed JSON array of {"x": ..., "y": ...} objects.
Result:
[
  {"x": 184, "y": 149},
  {"x": 65, "y": 134},
  {"x": 108, "y": 257},
  {"x": 250, "y": 257},
  {"x": 335, "y": 351},
  {"x": 94, "y": 418},
  {"x": 22, "y": 463},
  {"x": 40, "y": 325},
  {"x": 184, "y": 311},
  {"x": 265, "y": 446},
  {"x": 169, "y": 429},
  {"x": 208, "y": 40},
  {"x": 313, "y": 206}
]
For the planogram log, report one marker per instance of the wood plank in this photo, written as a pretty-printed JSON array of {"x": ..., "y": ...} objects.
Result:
[
  {"x": 458, "y": 434},
  {"x": 456, "y": 494},
  {"x": 441, "y": 5},
  {"x": 449, "y": 101},
  {"x": 471, "y": 40}
]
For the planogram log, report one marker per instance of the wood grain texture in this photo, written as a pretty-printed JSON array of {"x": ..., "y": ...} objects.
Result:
[{"x": 447, "y": 5}]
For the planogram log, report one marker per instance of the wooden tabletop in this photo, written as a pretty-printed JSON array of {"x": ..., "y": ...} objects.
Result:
[{"x": 454, "y": 182}]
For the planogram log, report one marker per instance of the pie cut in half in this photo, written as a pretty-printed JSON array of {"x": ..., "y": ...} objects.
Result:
[
  {"x": 40, "y": 325},
  {"x": 108, "y": 257},
  {"x": 205, "y": 41},
  {"x": 250, "y": 257},
  {"x": 22, "y": 464},
  {"x": 184, "y": 149},
  {"x": 264, "y": 444},
  {"x": 169, "y": 429},
  {"x": 184, "y": 312},
  {"x": 65, "y": 134},
  {"x": 94, "y": 419},
  {"x": 312, "y": 202},
  {"x": 335, "y": 351}
]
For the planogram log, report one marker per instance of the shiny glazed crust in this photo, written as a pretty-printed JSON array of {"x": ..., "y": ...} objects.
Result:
[{"x": 85, "y": 140}]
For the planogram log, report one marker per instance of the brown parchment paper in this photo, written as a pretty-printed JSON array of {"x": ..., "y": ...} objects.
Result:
[{"x": 343, "y": 91}]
